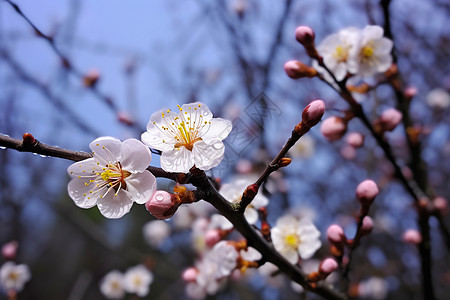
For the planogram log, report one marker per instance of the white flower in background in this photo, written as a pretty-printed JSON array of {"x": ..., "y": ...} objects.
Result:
[
  {"x": 372, "y": 54},
  {"x": 114, "y": 178},
  {"x": 251, "y": 254},
  {"x": 156, "y": 232},
  {"x": 438, "y": 98},
  {"x": 233, "y": 193},
  {"x": 13, "y": 277},
  {"x": 137, "y": 280},
  {"x": 335, "y": 50},
  {"x": 304, "y": 148},
  {"x": 112, "y": 285},
  {"x": 292, "y": 238},
  {"x": 188, "y": 137},
  {"x": 374, "y": 288}
]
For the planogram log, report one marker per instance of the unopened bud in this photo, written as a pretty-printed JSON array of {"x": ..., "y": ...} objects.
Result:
[
  {"x": 335, "y": 234},
  {"x": 410, "y": 92},
  {"x": 91, "y": 78},
  {"x": 305, "y": 36},
  {"x": 190, "y": 274},
  {"x": 355, "y": 139},
  {"x": 412, "y": 236},
  {"x": 9, "y": 250},
  {"x": 28, "y": 139},
  {"x": 333, "y": 128},
  {"x": 440, "y": 204},
  {"x": 313, "y": 112},
  {"x": 366, "y": 192},
  {"x": 251, "y": 191},
  {"x": 212, "y": 237},
  {"x": 296, "y": 69},
  {"x": 388, "y": 120},
  {"x": 285, "y": 161},
  {"x": 367, "y": 226},
  {"x": 327, "y": 266},
  {"x": 162, "y": 205},
  {"x": 125, "y": 118}
]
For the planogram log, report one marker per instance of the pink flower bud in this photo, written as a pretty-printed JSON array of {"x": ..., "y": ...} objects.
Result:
[
  {"x": 367, "y": 226},
  {"x": 333, "y": 128},
  {"x": 305, "y": 35},
  {"x": 160, "y": 205},
  {"x": 327, "y": 266},
  {"x": 190, "y": 274},
  {"x": 388, "y": 120},
  {"x": 335, "y": 234},
  {"x": 296, "y": 69},
  {"x": 440, "y": 204},
  {"x": 355, "y": 139},
  {"x": 412, "y": 236},
  {"x": 366, "y": 192},
  {"x": 251, "y": 191},
  {"x": 212, "y": 237},
  {"x": 348, "y": 152},
  {"x": 410, "y": 92},
  {"x": 313, "y": 112},
  {"x": 9, "y": 250}
]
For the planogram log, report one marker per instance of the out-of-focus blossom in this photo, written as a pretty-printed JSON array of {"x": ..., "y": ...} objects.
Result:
[
  {"x": 335, "y": 50},
  {"x": 412, "y": 236},
  {"x": 114, "y": 178},
  {"x": 438, "y": 98},
  {"x": 9, "y": 250},
  {"x": 292, "y": 238},
  {"x": 333, "y": 128},
  {"x": 233, "y": 192},
  {"x": 388, "y": 120},
  {"x": 304, "y": 148},
  {"x": 355, "y": 139},
  {"x": 371, "y": 54},
  {"x": 13, "y": 277},
  {"x": 137, "y": 280},
  {"x": 156, "y": 232},
  {"x": 112, "y": 285},
  {"x": 374, "y": 288},
  {"x": 188, "y": 137},
  {"x": 366, "y": 192}
]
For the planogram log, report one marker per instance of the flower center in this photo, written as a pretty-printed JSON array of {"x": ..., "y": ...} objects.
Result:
[
  {"x": 185, "y": 128},
  {"x": 13, "y": 276},
  {"x": 341, "y": 53},
  {"x": 114, "y": 176},
  {"x": 292, "y": 240},
  {"x": 367, "y": 54}
]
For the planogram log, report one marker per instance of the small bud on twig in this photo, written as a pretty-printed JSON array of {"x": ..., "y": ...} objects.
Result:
[
  {"x": 367, "y": 226},
  {"x": 28, "y": 139},
  {"x": 296, "y": 69},
  {"x": 162, "y": 205},
  {"x": 91, "y": 78},
  {"x": 313, "y": 112},
  {"x": 285, "y": 161},
  {"x": 305, "y": 35},
  {"x": 334, "y": 128},
  {"x": 366, "y": 192},
  {"x": 251, "y": 191},
  {"x": 388, "y": 120},
  {"x": 412, "y": 236}
]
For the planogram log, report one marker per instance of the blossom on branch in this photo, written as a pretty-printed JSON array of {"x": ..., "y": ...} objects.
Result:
[
  {"x": 187, "y": 138},
  {"x": 13, "y": 277},
  {"x": 137, "y": 280},
  {"x": 114, "y": 178},
  {"x": 112, "y": 285},
  {"x": 292, "y": 238}
]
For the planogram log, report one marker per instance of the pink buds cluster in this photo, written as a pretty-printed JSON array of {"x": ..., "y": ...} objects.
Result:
[{"x": 337, "y": 239}]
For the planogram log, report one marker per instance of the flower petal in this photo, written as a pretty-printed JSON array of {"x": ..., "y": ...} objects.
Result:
[
  {"x": 290, "y": 254},
  {"x": 141, "y": 186},
  {"x": 114, "y": 207},
  {"x": 81, "y": 193},
  {"x": 85, "y": 167},
  {"x": 208, "y": 156},
  {"x": 251, "y": 215},
  {"x": 177, "y": 160},
  {"x": 156, "y": 140},
  {"x": 136, "y": 157},
  {"x": 198, "y": 108},
  {"x": 218, "y": 129},
  {"x": 307, "y": 249},
  {"x": 106, "y": 149}
]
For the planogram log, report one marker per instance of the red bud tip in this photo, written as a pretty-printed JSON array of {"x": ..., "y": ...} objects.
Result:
[
  {"x": 28, "y": 138},
  {"x": 313, "y": 113},
  {"x": 366, "y": 192},
  {"x": 251, "y": 191},
  {"x": 285, "y": 161}
]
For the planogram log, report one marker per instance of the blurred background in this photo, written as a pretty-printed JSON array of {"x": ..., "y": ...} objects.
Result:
[{"x": 103, "y": 67}]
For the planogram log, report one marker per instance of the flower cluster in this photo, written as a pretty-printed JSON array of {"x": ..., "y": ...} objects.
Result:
[{"x": 136, "y": 280}]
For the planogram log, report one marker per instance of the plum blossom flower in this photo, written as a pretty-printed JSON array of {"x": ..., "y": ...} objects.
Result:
[
  {"x": 335, "y": 50},
  {"x": 156, "y": 232},
  {"x": 372, "y": 54},
  {"x": 292, "y": 238},
  {"x": 114, "y": 178},
  {"x": 13, "y": 277},
  {"x": 137, "y": 280},
  {"x": 191, "y": 137},
  {"x": 112, "y": 285}
]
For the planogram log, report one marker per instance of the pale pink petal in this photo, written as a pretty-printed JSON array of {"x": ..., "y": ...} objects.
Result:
[
  {"x": 307, "y": 249},
  {"x": 136, "y": 157},
  {"x": 141, "y": 186},
  {"x": 81, "y": 193},
  {"x": 290, "y": 254},
  {"x": 208, "y": 156},
  {"x": 114, "y": 207},
  {"x": 84, "y": 168},
  {"x": 106, "y": 149},
  {"x": 218, "y": 129},
  {"x": 198, "y": 108},
  {"x": 177, "y": 160}
]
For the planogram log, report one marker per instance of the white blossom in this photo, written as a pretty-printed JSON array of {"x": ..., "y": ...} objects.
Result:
[
  {"x": 156, "y": 232},
  {"x": 14, "y": 277},
  {"x": 372, "y": 53},
  {"x": 114, "y": 178},
  {"x": 438, "y": 98},
  {"x": 112, "y": 285},
  {"x": 137, "y": 280},
  {"x": 187, "y": 138},
  {"x": 292, "y": 238},
  {"x": 374, "y": 288}
]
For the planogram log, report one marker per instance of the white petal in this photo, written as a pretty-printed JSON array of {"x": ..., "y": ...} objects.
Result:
[
  {"x": 106, "y": 149},
  {"x": 219, "y": 129},
  {"x": 136, "y": 157},
  {"x": 287, "y": 221},
  {"x": 371, "y": 32},
  {"x": 307, "y": 249},
  {"x": 84, "y": 168},
  {"x": 251, "y": 215},
  {"x": 81, "y": 193},
  {"x": 383, "y": 46},
  {"x": 177, "y": 160},
  {"x": 198, "y": 108},
  {"x": 208, "y": 156},
  {"x": 141, "y": 186},
  {"x": 290, "y": 254},
  {"x": 114, "y": 207},
  {"x": 384, "y": 62},
  {"x": 307, "y": 230},
  {"x": 260, "y": 201},
  {"x": 156, "y": 140}
]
